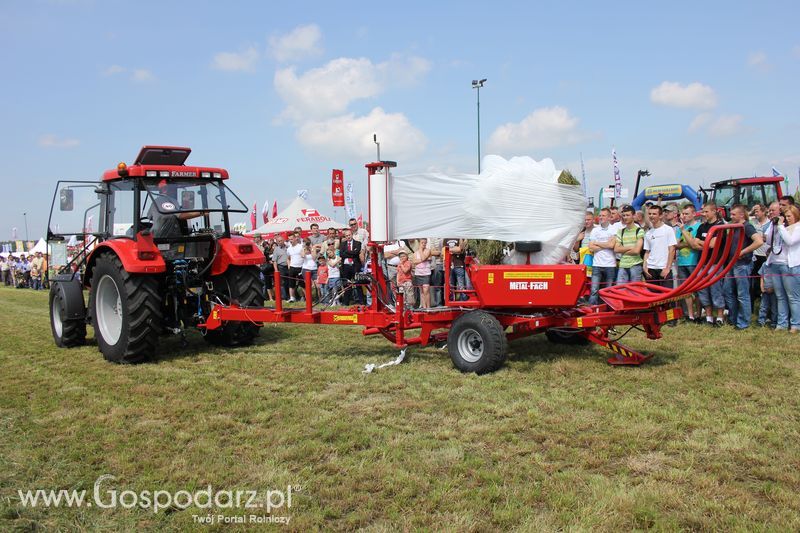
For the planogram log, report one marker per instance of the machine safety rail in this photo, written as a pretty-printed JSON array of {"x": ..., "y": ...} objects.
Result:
[{"x": 722, "y": 245}]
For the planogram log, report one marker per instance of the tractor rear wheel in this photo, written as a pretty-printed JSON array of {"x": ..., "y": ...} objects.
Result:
[
  {"x": 67, "y": 332},
  {"x": 240, "y": 285},
  {"x": 477, "y": 343},
  {"x": 126, "y": 311}
]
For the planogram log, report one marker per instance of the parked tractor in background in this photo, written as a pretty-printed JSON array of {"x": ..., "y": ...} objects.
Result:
[
  {"x": 155, "y": 247},
  {"x": 747, "y": 191}
]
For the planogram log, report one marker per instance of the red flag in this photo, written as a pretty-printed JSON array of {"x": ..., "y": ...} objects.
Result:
[
  {"x": 360, "y": 221},
  {"x": 337, "y": 187},
  {"x": 253, "y": 216},
  {"x": 275, "y": 209},
  {"x": 265, "y": 212}
]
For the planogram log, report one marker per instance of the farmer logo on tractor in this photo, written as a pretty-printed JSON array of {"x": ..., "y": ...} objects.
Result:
[{"x": 183, "y": 174}]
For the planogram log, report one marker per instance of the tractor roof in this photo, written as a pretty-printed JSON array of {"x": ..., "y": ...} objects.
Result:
[
  {"x": 166, "y": 162},
  {"x": 748, "y": 181}
]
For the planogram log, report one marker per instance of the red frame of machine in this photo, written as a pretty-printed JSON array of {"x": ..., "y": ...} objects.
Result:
[{"x": 527, "y": 310}]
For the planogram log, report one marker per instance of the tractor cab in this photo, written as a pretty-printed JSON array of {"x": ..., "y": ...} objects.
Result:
[{"x": 747, "y": 191}]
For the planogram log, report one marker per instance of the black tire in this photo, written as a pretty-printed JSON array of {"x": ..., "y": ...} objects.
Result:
[
  {"x": 240, "y": 285},
  {"x": 558, "y": 336},
  {"x": 477, "y": 343},
  {"x": 67, "y": 333},
  {"x": 126, "y": 331}
]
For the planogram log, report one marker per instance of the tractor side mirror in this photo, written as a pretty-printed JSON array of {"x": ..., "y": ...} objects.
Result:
[
  {"x": 187, "y": 200},
  {"x": 146, "y": 223},
  {"x": 66, "y": 200}
]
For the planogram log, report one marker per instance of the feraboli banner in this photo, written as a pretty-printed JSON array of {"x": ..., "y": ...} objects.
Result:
[{"x": 337, "y": 187}]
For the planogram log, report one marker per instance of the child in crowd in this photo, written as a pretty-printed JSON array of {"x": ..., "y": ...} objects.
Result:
[
  {"x": 334, "y": 287},
  {"x": 404, "y": 279}
]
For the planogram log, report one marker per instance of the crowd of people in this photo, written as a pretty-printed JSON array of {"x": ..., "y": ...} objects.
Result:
[
  {"x": 334, "y": 259},
  {"x": 24, "y": 271},
  {"x": 662, "y": 245}
]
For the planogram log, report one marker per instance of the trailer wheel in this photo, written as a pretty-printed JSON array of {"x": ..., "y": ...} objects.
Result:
[
  {"x": 241, "y": 285},
  {"x": 67, "y": 332},
  {"x": 560, "y": 336},
  {"x": 126, "y": 311},
  {"x": 477, "y": 343}
]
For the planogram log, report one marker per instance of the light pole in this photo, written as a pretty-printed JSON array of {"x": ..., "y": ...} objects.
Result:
[
  {"x": 25, "y": 216},
  {"x": 477, "y": 84}
]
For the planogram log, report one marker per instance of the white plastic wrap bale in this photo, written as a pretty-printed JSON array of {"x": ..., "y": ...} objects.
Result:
[{"x": 511, "y": 200}]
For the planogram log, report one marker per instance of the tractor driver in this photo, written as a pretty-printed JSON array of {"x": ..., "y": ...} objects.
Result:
[{"x": 166, "y": 224}]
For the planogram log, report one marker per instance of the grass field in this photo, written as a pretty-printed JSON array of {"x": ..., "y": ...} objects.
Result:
[{"x": 705, "y": 436}]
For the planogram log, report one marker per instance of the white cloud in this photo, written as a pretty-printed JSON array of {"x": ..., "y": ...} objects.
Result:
[
  {"x": 700, "y": 121},
  {"x": 301, "y": 42},
  {"x": 692, "y": 96},
  {"x": 243, "y": 61},
  {"x": 546, "y": 127},
  {"x": 52, "y": 141},
  {"x": 759, "y": 61},
  {"x": 114, "y": 69},
  {"x": 328, "y": 90},
  {"x": 717, "y": 126},
  {"x": 142, "y": 75},
  {"x": 351, "y": 136},
  {"x": 139, "y": 75},
  {"x": 726, "y": 126}
]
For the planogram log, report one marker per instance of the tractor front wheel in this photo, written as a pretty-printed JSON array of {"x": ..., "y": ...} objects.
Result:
[
  {"x": 126, "y": 311},
  {"x": 477, "y": 343},
  {"x": 240, "y": 285},
  {"x": 67, "y": 331}
]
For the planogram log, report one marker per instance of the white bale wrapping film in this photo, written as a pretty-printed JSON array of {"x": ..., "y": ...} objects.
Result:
[
  {"x": 378, "y": 221},
  {"x": 511, "y": 200}
]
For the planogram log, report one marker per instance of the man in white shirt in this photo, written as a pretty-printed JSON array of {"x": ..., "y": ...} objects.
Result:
[
  {"x": 659, "y": 246},
  {"x": 295, "y": 252},
  {"x": 604, "y": 264}
]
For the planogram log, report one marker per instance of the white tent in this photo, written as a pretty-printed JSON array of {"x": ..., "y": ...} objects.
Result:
[
  {"x": 298, "y": 213},
  {"x": 41, "y": 246}
]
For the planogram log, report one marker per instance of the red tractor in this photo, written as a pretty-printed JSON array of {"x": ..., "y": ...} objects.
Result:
[
  {"x": 153, "y": 245},
  {"x": 748, "y": 191}
]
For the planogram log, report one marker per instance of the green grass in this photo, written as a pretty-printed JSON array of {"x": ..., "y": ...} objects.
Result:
[{"x": 705, "y": 436}]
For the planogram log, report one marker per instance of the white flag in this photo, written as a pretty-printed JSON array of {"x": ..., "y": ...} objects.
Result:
[
  {"x": 617, "y": 178},
  {"x": 350, "y": 202}
]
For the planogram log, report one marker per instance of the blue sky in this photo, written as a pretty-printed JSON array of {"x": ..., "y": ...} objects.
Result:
[{"x": 281, "y": 93}]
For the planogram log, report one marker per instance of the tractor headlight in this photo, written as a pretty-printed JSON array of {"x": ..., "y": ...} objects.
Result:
[
  {"x": 164, "y": 173},
  {"x": 205, "y": 174},
  {"x": 151, "y": 174},
  {"x": 218, "y": 175}
]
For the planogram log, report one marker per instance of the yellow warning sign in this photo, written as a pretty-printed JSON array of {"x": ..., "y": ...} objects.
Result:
[
  {"x": 346, "y": 318},
  {"x": 528, "y": 275},
  {"x": 491, "y": 278},
  {"x": 670, "y": 314},
  {"x": 580, "y": 322},
  {"x": 568, "y": 279}
]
